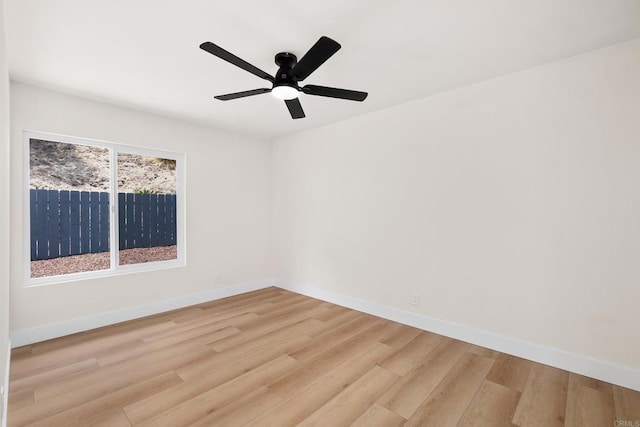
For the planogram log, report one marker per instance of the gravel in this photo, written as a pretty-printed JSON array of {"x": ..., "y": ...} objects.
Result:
[{"x": 99, "y": 261}]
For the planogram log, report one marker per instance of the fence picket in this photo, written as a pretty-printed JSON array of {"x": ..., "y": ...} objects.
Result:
[
  {"x": 33, "y": 224},
  {"x": 94, "y": 214},
  {"x": 104, "y": 222},
  {"x": 53, "y": 214},
  {"x": 171, "y": 211},
  {"x": 122, "y": 220},
  {"x": 41, "y": 226},
  {"x": 153, "y": 221},
  {"x": 162, "y": 218},
  {"x": 75, "y": 225},
  {"x": 65, "y": 221},
  {"x": 144, "y": 218},
  {"x": 130, "y": 227},
  {"x": 137, "y": 219},
  {"x": 85, "y": 248}
]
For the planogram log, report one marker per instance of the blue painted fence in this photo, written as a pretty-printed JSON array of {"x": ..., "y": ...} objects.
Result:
[{"x": 67, "y": 223}]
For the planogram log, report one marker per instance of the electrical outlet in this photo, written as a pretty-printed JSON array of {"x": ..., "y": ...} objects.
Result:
[{"x": 415, "y": 298}]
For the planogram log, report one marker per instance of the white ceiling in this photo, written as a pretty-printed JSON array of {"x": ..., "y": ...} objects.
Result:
[{"x": 144, "y": 53}]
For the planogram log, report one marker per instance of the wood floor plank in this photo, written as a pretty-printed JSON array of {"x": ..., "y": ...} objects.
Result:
[
  {"x": 401, "y": 336},
  {"x": 225, "y": 372},
  {"x": 248, "y": 298},
  {"x": 586, "y": 406},
  {"x": 445, "y": 406},
  {"x": 544, "y": 398},
  {"x": 510, "y": 371},
  {"x": 243, "y": 299},
  {"x": 117, "y": 419},
  {"x": 246, "y": 303},
  {"x": 123, "y": 374},
  {"x": 627, "y": 404},
  {"x": 276, "y": 358},
  {"x": 483, "y": 351},
  {"x": 241, "y": 411},
  {"x": 594, "y": 384},
  {"x": 335, "y": 336},
  {"x": 200, "y": 326},
  {"x": 257, "y": 306},
  {"x": 413, "y": 388},
  {"x": 413, "y": 352},
  {"x": 187, "y": 340},
  {"x": 20, "y": 399},
  {"x": 216, "y": 398},
  {"x": 310, "y": 370},
  {"x": 379, "y": 416},
  {"x": 47, "y": 410},
  {"x": 95, "y": 339},
  {"x": 107, "y": 408},
  {"x": 335, "y": 312},
  {"x": 260, "y": 326},
  {"x": 65, "y": 356},
  {"x": 186, "y": 314},
  {"x": 53, "y": 375},
  {"x": 353, "y": 401},
  {"x": 306, "y": 400},
  {"x": 295, "y": 305},
  {"x": 330, "y": 323},
  {"x": 272, "y": 344},
  {"x": 492, "y": 406},
  {"x": 21, "y": 352}
]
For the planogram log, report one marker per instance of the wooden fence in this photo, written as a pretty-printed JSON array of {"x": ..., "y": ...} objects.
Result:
[
  {"x": 77, "y": 222},
  {"x": 146, "y": 220}
]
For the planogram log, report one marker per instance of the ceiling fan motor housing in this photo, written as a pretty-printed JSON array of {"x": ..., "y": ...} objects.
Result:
[{"x": 286, "y": 61}]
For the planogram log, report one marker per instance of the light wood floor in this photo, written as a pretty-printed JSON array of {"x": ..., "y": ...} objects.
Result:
[{"x": 275, "y": 358}]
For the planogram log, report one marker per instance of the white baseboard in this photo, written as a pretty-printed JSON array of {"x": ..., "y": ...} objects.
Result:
[
  {"x": 72, "y": 326},
  {"x": 5, "y": 385},
  {"x": 616, "y": 374}
]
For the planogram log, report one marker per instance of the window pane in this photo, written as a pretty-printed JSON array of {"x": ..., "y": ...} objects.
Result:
[
  {"x": 69, "y": 208},
  {"x": 146, "y": 209}
]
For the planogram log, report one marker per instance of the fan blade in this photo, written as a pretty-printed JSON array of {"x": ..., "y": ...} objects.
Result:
[
  {"x": 237, "y": 95},
  {"x": 315, "y": 57},
  {"x": 231, "y": 58},
  {"x": 333, "y": 92},
  {"x": 295, "y": 108}
]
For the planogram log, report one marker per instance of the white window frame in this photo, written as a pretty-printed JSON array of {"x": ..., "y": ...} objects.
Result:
[{"x": 115, "y": 269}]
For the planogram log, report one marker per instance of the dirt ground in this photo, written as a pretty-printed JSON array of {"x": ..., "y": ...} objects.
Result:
[
  {"x": 60, "y": 166},
  {"x": 100, "y": 261}
]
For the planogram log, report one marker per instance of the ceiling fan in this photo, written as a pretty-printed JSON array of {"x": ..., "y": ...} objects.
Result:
[{"x": 290, "y": 72}]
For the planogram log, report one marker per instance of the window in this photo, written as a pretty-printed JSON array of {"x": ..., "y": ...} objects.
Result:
[{"x": 96, "y": 208}]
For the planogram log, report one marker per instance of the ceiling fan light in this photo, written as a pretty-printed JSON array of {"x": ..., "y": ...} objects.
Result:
[{"x": 285, "y": 92}]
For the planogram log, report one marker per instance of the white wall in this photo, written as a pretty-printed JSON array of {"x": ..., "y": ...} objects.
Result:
[
  {"x": 227, "y": 219},
  {"x": 511, "y": 206},
  {"x": 4, "y": 209}
]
